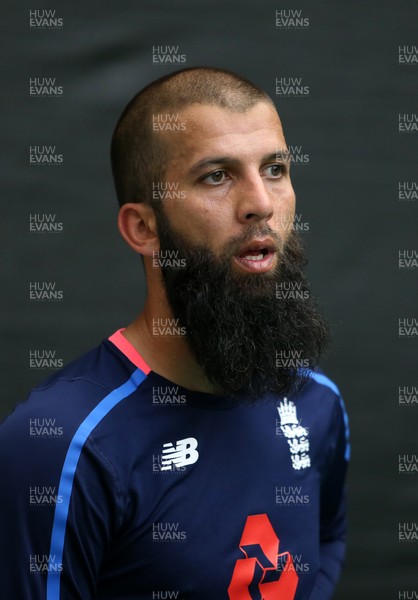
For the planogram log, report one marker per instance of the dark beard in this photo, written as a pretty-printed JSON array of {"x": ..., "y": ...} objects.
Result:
[{"x": 248, "y": 341}]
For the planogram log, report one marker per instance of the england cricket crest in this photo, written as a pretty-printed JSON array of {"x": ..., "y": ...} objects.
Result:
[{"x": 297, "y": 436}]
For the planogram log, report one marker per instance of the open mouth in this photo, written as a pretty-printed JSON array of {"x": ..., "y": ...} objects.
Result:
[
  {"x": 257, "y": 254},
  {"x": 256, "y": 257}
]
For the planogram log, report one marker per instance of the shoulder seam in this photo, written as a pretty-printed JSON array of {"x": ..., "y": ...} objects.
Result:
[
  {"x": 72, "y": 380},
  {"x": 325, "y": 381}
]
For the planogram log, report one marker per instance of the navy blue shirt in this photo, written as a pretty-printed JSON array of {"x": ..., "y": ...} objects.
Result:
[{"x": 118, "y": 484}]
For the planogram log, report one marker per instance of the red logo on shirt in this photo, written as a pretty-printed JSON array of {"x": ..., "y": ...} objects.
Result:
[{"x": 257, "y": 575}]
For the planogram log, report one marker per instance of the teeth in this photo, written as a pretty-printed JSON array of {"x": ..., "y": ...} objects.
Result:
[{"x": 252, "y": 257}]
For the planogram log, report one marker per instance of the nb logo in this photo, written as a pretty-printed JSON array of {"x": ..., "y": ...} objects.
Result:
[
  {"x": 184, "y": 453},
  {"x": 263, "y": 573}
]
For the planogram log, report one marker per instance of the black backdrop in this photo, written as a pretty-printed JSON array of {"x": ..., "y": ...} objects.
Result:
[{"x": 345, "y": 126}]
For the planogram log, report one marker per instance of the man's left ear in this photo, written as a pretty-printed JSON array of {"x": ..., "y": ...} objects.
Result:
[{"x": 138, "y": 226}]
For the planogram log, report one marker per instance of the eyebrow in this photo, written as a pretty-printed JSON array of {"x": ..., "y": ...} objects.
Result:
[{"x": 283, "y": 155}]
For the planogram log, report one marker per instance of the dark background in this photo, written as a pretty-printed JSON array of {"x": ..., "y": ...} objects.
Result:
[{"x": 348, "y": 193}]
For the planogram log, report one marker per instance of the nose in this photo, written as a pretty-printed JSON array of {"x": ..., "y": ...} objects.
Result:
[{"x": 255, "y": 202}]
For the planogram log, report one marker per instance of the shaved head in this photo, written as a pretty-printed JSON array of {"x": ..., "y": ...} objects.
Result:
[{"x": 139, "y": 154}]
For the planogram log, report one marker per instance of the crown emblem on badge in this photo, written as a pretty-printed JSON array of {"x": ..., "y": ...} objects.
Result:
[{"x": 287, "y": 412}]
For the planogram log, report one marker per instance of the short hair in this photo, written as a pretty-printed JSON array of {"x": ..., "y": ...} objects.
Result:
[{"x": 138, "y": 154}]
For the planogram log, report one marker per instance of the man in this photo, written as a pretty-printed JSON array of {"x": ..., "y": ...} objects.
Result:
[{"x": 199, "y": 455}]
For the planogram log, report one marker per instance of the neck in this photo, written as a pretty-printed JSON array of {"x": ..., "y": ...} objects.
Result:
[{"x": 166, "y": 354}]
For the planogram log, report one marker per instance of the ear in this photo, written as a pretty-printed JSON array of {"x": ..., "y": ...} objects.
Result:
[{"x": 138, "y": 226}]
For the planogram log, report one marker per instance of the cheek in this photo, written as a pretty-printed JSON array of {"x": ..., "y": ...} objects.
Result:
[
  {"x": 197, "y": 222},
  {"x": 284, "y": 215},
  {"x": 208, "y": 228},
  {"x": 290, "y": 200}
]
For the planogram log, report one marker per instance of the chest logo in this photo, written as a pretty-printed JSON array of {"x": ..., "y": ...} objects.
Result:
[
  {"x": 182, "y": 454},
  {"x": 263, "y": 573},
  {"x": 297, "y": 436}
]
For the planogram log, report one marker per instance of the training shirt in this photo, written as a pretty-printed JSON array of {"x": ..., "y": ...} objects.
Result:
[{"x": 118, "y": 484}]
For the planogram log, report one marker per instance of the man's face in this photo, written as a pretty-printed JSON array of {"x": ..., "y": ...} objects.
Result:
[
  {"x": 233, "y": 170},
  {"x": 234, "y": 231}
]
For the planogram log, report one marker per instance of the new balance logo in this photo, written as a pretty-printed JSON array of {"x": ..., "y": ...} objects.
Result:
[{"x": 184, "y": 453}]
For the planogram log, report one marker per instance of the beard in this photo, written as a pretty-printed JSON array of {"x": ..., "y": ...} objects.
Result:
[{"x": 252, "y": 334}]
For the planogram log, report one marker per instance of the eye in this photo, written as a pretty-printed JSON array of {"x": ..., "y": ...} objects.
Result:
[
  {"x": 215, "y": 178},
  {"x": 275, "y": 171}
]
